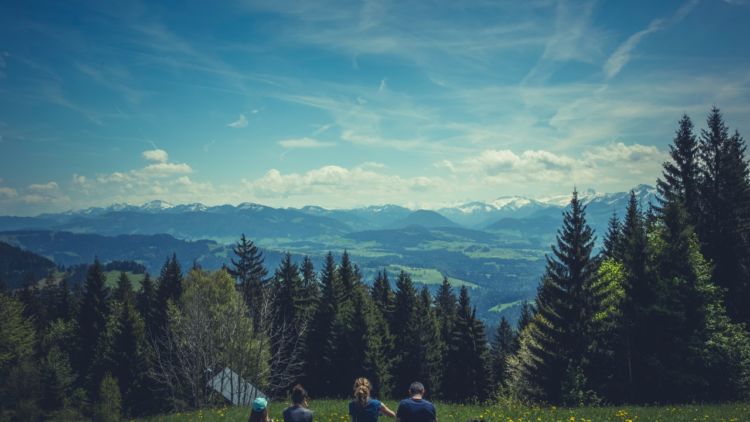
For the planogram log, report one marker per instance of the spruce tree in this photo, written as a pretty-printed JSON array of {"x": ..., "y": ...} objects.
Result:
[
  {"x": 370, "y": 340},
  {"x": 250, "y": 273},
  {"x": 348, "y": 277},
  {"x": 319, "y": 363},
  {"x": 169, "y": 290},
  {"x": 467, "y": 368},
  {"x": 382, "y": 295},
  {"x": 310, "y": 288},
  {"x": 124, "y": 290},
  {"x": 527, "y": 314},
  {"x": 288, "y": 293},
  {"x": 445, "y": 308},
  {"x": 504, "y": 345},
  {"x": 612, "y": 247},
  {"x": 146, "y": 302},
  {"x": 680, "y": 177},
  {"x": 405, "y": 329},
  {"x": 92, "y": 321},
  {"x": 554, "y": 343},
  {"x": 431, "y": 346}
]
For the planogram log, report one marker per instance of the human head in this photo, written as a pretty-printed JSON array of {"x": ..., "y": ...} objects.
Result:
[
  {"x": 298, "y": 394},
  {"x": 259, "y": 412},
  {"x": 362, "y": 388},
  {"x": 416, "y": 388}
]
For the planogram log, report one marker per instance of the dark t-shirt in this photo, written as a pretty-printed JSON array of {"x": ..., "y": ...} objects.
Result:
[
  {"x": 297, "y": 414},
  {"x": 411, "y": 410},
  {"x": 369, "y": 413}
]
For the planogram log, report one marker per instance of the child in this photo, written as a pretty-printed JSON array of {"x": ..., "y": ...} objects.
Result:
[{"x": 259, "y": 411}]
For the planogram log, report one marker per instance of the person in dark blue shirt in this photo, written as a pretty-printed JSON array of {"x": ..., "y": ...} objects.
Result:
[
  {"x": 298, "y": 411},
  {"x": 415, "y": 408},
  {"x": 364, "y": 408}
]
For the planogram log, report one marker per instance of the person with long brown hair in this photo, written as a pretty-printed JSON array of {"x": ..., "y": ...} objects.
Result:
[
  {"x": 259, "y": 410},
  {"x": 364, "y": 408}
]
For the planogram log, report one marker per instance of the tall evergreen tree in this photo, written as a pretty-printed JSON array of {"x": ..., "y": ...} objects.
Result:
[
  {"x": 405, "y": 329},
  {"x": 527, "y": 314},
  {"x": 467, "y": 368},
  {"x": 169, "y": 290},
  {"x": 310, "y": 287},
  {"x": 347, "y": 277},
  {"x": 288, "y": 290},
  {"x": 92, "y": 321},
  {"x": 612, "y": 247},
  {"x": 445, "y": 309},
  {"x": 370, "y": 340},
  {"x": 681, "y": 175},
  {"x": 146, "y": 302},
  {"x": 504, "y": 345},
  {"x": 555, "y": 340},
  {"x": 319, "y": 363},
  {"x": 249, "y": 271},
  {"x": 124, "y": 290},
  {"x": 382, "y": 295},
  {"x": 431, "y": 346}
]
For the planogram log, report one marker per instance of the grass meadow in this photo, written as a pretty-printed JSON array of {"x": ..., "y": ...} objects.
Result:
[{"x": 336, "y": 411}]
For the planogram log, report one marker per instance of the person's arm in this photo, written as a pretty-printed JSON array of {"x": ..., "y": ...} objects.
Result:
[{"x": 386, "y": 411}]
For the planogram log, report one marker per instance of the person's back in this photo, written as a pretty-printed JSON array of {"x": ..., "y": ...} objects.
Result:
[
  {"x": 415, "y": 408},
  {"x": 298, "y": 411},
  {"x": 367, "y": 413}
]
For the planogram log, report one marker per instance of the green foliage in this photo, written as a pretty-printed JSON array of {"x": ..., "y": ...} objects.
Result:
[{"x": 109, "y": 404}]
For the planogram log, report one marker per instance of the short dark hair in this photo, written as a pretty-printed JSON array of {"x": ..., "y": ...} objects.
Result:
[
  {"x": 416, "y": 388},
  {"x": 298, "y": 394}
]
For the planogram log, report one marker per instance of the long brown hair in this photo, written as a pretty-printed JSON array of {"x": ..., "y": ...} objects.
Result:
[
  {"x": 261, "y": 416},
  {"x": 362, "y": 388}
]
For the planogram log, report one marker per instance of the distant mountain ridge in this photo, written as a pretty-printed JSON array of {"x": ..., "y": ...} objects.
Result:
[{"x": 223, "y": 222}]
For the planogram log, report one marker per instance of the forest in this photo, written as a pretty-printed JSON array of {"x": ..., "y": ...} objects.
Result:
[{"x": 657, "y": 315}]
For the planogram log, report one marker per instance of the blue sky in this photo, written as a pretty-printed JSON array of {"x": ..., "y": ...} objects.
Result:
[{"x": 347, "y": 103}]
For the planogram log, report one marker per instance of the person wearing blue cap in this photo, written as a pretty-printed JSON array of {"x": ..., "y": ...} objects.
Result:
[{"x": 259, "y": 410}]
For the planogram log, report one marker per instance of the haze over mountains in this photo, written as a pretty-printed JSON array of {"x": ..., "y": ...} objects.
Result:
[{"x": 497, "y": 247}]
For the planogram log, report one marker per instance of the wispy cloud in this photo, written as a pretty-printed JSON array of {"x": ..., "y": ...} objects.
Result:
[
  {"x": 303, "y": 143},
  {"x": 623, "y": 53},
  {"x": 156, "y": 155},
  {"x": 239, "y": 123}
]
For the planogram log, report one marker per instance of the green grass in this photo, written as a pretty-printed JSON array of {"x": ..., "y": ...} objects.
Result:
[
  {"x": 336, "y": 411},
  {"x": 429, "y": 276},
  {"x": 113, "y": 276},
  {"x": 503, "y": 306}
]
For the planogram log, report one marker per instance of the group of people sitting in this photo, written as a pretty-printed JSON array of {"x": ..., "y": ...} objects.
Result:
[{"x": 363, "y": 408}]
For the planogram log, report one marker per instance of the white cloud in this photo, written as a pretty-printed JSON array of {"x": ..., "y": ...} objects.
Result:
[
  {"x": 46, "y": 187},
  {"x": 304, "y": 143},
  {"x": 239, "y": 123},
  {"x": 156, "y": 155},
  {"x": 8, "y": 193},
  {"x": 165, "y": 169},
  {"x": 383, "y": 85}
]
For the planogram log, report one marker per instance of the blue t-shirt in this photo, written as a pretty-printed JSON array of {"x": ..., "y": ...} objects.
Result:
[
  {"x": 369, "y": 413},
  {"x": 411, "y": 410}
]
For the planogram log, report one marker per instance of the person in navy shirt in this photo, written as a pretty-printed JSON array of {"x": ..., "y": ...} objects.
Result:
[
  {"x": 364, "y": 408},
  {"x": 415, "y": 408}
]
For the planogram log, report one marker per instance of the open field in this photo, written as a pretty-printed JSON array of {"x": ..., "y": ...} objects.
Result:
[
  {"x": 429, "y": 276},
  {"x": 336, "y": 411}
]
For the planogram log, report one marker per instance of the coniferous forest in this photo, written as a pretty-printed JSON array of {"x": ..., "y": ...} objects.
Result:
[{"x": 655, "y": 310}]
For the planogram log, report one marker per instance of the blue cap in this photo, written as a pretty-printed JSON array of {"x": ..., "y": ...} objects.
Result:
[{"x": 259, "y": 404}]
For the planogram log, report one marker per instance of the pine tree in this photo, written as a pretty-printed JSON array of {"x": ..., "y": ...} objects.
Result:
[
  {"x": 348, "y": 278},
  {"x": 92, "y": 321},
  {"x": 370, "y": 342},
  {"x": 527, "y": 314},
  {"x": 310, "y": 287},
  {"x": 382, "y": 295},
  {"x": 613, "y": 239},
  {"x": 250, "y": 273},
  {"x": 554, "y": 343},
  {"x": 680, "y": 176},
  {"x": 638, "y": 296},
  {"x": 319, "y": 363},
  {"x": 124, "y": 290},
  {"x": 445, "y": 308},
  {"x": 288, "y": 291},
  {"x": 431, "y": 346},
  {"x": 126, "y": 357},
  {"x": 467, "y": 368},
  {"x": 405, "y": 329},
  {"x": 146, "y": 302},
  {"x": 504, "y": 345},
  {"x": 169, "y": 290}
]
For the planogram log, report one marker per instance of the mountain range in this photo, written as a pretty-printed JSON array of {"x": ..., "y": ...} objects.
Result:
[{"x": 496, "y": 247}]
